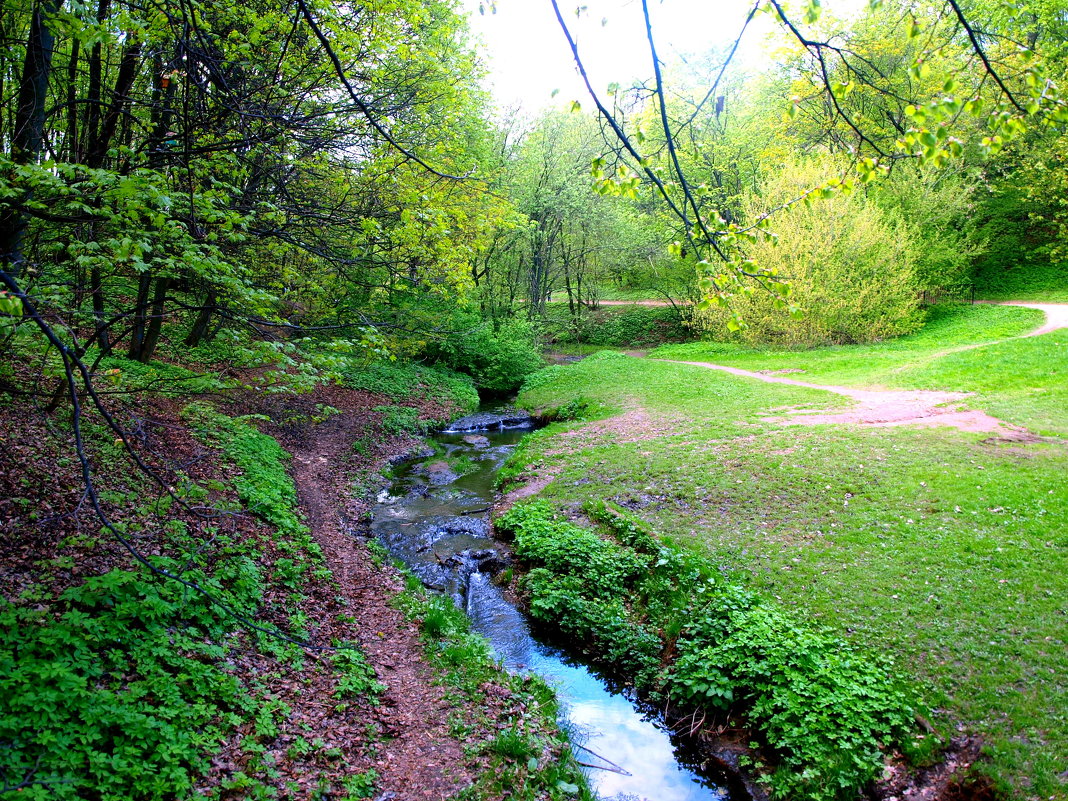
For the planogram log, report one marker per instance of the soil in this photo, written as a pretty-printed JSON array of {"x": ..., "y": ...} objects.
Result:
[
  {"x": 940, "y": 782},
  {"x": 419, "y": 758}
]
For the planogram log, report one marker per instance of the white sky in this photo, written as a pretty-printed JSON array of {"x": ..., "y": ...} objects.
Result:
[{"x": 528, "y": 56}]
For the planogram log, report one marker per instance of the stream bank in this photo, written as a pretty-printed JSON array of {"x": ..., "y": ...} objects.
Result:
[{"x": 435, "y": 518}]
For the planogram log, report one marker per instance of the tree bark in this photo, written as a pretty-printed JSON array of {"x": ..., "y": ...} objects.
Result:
[
  {"x": 137, "y": 333},
  {"x": 28, "y": 137},
  {"x": 155, "y": 322},
  {"x": 203, "y": 320}
]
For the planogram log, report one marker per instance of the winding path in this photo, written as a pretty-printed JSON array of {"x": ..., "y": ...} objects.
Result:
[
  {"x": 1056, "y": 315},
  {"x": 905, "y": 407}
]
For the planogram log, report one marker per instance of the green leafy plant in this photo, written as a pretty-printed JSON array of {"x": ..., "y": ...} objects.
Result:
[{"x": 826, "y": 712}]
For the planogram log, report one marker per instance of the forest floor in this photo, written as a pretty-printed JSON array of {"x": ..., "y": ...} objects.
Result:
[
  {"x": 893, "y": 520},
  {"x": 410, "y": 714},
  {"x": 418, "y": 757}
]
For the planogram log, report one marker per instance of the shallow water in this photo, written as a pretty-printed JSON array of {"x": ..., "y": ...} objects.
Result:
[{"x": 437, "y": 523}]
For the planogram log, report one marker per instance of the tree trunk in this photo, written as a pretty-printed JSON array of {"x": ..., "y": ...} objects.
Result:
[
  {"x": 73, "y": 154},
  {"x": 96, "y": 288},
  {"x": 28, "y": 137},
  {"x": 203, "y": 320},
  {"x": 137, "y": 333},
  {"x": 97, "y": 151},
  {"x": 155, "y": 322}
]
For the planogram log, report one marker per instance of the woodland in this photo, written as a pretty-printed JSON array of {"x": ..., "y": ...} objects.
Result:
[{"x": 250, "y": 254}]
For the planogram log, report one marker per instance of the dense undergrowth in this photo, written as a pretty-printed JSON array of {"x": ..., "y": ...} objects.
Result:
[
  {"x": 614, "y": 326},
  {"x": 1009, "y": 279},
  {"x": 670, "y": 623},
  {"x": 124, "y": 685}
]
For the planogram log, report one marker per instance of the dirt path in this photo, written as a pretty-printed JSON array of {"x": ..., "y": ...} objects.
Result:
[
  {"x": 1056, "y": 315},
  {"x": 886, "y": 407},
  {"x": 876, "y": 407},
  {"x": 419, "y": 760},
  {"x": 641, "y": 303}
]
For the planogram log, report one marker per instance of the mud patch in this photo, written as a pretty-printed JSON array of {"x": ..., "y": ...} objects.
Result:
[{"x": 946, "y": 781}]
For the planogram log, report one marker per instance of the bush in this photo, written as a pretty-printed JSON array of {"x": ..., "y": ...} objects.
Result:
[
  {"x": 617, "y": 326},
  {"x": 398, "y": 420},
  {"x": 826, "y": 711},
  {"x": 497, "y": 356},
  {"x": 850, "y": 263},
  {"x": 406, "y": 382}
]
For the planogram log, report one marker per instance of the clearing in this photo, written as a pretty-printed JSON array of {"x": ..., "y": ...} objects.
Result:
[{"x": 940, "y": 543}]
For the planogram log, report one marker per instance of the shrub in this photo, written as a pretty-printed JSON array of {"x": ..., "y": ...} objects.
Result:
[
  {"x": 850, "y": 264},
  {"x": 617, "y": 326},
  {"x": 397, "y": 420},
  {"x": 826, "y": 711},
  {"x": 498, "y": 356},
  {"x": 406, "y": 382}
]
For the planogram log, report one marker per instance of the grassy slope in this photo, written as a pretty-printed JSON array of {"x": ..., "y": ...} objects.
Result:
[
  {"x": 946, "y": 551},
  {"x": 1042, "y": 281},
  {"x": 1021, "y": 381}
]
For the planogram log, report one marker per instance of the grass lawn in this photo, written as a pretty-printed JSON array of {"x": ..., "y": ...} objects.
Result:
[
  {"x": 949, "y": 552},
  {"x": 1039, "y": 282},
  {"x": 1022, "y": 381}
]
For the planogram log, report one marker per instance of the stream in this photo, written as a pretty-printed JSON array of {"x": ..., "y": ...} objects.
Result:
[{"x": 435, "y": 518}]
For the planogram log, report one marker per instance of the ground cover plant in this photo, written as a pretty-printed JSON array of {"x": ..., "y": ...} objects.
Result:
[
  {"x": 1042, "y": 280},
  {"x": 934, "y": 545},
  {"x": 827, "y": 712},
  {"x": 530, "y": 758},
  {"x": 411, "y": 383},
  {"x": 123, "y": 683}
]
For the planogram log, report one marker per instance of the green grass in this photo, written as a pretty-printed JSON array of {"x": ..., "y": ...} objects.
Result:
[
  {"x": 1019, "y": 380},
  {"x": 630, "y": 293},
  {"x": 947, "y": 327},
  {"x": 1022, "y": 381},
  {"x": 613, "y": 382},
  {"x": 1039, "y": 282},
  {"x": 947, "y": 552}
]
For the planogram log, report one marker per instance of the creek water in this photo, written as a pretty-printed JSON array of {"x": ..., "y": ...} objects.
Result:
[{"x": 435, "y": 518}]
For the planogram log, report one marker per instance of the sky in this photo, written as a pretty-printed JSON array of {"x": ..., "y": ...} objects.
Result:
[{"x": 528, "y": 56}]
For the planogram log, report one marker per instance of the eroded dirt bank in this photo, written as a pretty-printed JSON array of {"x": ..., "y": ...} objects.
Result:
[{"x": 417, "y": 758}]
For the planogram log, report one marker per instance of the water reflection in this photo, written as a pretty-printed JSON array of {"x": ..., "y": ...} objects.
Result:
[{"x": 440, "y": 529}]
